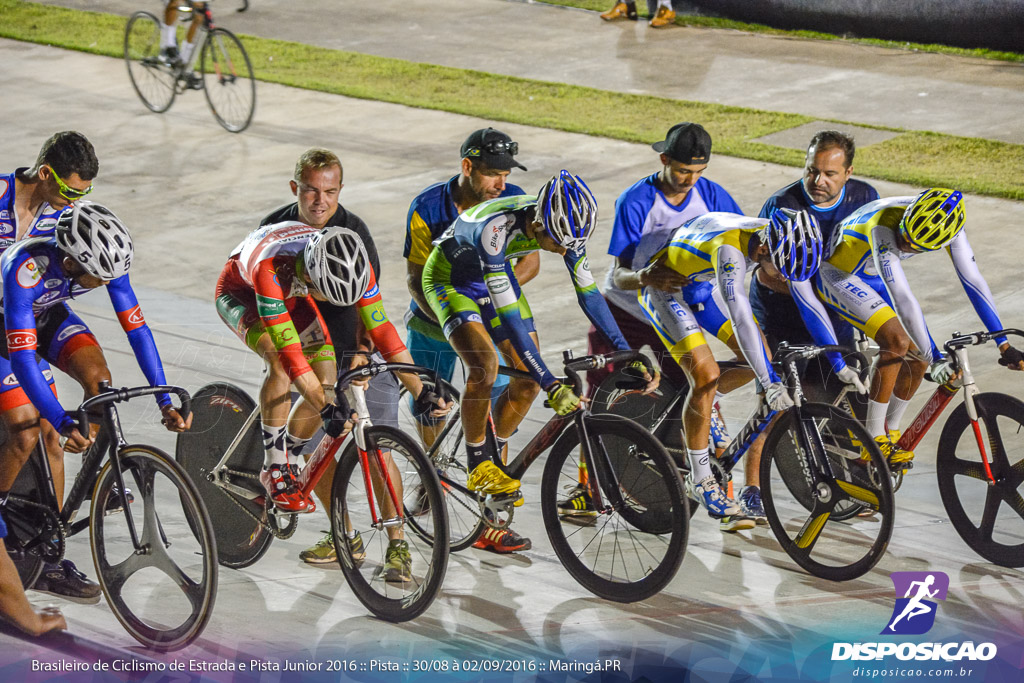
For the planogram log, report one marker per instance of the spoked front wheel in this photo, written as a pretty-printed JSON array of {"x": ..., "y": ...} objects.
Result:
[
  {"x": 630, "y": 549},
  {"x": 809, "y": 470},
  {"x": 988, "y": 516},
  {"x": 228, "y": 81},
  {"x": 395, "y": 573},
  {"x": 162, "y": 590},
  {"x": 153, "y": 78}
]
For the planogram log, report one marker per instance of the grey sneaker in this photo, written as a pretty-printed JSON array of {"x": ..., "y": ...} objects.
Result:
[
  {"x": 397, "y": 563},
  {"x": 750, "y": 502}
]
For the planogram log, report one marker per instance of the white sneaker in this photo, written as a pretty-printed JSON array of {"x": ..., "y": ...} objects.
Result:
[{"x": 710, "y": 495}]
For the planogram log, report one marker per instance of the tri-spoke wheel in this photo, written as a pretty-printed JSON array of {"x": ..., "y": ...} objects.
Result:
[
  {"x": 155, "y": 558},
  {"x": 988, "y": 515}
]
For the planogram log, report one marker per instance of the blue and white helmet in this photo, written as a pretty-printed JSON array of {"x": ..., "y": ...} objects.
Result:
[
  {"x": 794, "y": 243},
  {"x": 337, "y": 264},
  {"x": 567, "y": 209},
  {"x": 95, "y": 238}
]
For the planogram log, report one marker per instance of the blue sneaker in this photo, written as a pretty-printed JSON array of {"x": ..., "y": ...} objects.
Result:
[
  {"x": 719, "y": 435},
  {"x": 711, "y": 497},
  {"x": 750, "y": 502}
]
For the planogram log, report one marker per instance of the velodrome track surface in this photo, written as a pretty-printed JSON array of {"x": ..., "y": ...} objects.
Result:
[{"x": 189, "y": 192}]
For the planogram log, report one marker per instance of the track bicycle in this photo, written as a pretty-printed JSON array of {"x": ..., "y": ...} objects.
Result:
[
  {"x": 219, "y": 66},
  {"x": 155, "y": 556},
  {"x": 975, "y": 481},
  {"x": 638, "y": 538},
  {"x": 223, "y": 452},
  {"x": 809, "y": 468}
]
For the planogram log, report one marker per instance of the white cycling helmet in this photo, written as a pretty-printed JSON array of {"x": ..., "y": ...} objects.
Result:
[
  {"x": 794, "y": 243},
  {"x": 337, "y": 264},
  {"x": 94, "y": 237},
  {"x": 567, "y": 209}
]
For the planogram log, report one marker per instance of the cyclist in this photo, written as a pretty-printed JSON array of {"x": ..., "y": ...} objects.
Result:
[
  {"x": 91, "y": 248},
  {"x": 473, "y": 291},
  {"x": 720, "y": 248},
  {"x": 862, "y": 279},
  {"x": 169, "y": 32},
  {"x": 266, "y": 294},
  {"x": 488, "y": 157}
]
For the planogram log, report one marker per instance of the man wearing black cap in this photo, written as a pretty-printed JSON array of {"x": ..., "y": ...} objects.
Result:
[
  {"x": 654, "y": 206},
  {"x": 488, "y": 156}
]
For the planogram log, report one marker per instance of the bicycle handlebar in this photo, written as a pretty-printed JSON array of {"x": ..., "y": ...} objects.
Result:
[
  {"x": 573, "y": 366},
  {"x": 959, "y": 341},
  {"x": 446, "y": 390},
  {"x": 109, "y": 395},
  {"x": 786, "y": 354}
]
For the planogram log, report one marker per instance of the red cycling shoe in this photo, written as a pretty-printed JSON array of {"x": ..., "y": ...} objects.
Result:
[{"x": 279, "y": 481}]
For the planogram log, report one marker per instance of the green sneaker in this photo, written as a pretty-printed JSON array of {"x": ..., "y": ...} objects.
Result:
[
  {"x": 397, "y": 563},
  {"x": 323, "y": 552}
]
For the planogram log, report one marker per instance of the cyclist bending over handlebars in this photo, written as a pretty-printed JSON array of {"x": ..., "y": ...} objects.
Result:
[
  {"x": 91, "y": 249},
  {"x": 472, "y": 289}
]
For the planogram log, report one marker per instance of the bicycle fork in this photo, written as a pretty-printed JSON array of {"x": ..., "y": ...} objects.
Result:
[
  {"x": 358, "y": 401},
  {"x": 970, "y": 391}
]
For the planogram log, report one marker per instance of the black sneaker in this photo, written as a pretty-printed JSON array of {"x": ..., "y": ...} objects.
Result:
[
  {"x": 170, "y": 56},
  {"x": 65, "y": 581}
]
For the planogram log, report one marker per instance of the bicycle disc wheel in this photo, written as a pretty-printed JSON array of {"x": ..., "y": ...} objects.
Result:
[
  {"x": 155, "y": 81},
  {"x": 163, "y": 596},
  {"x": 227, "y": 80},
  {"x": 990, "y": 518},
  {"x": 800, "y": 511},
  {"x": 220, "y": 410},
  {"x": 633, "y": 548},
  {"x": 390, "y": 596},
  {"x": 465, "y": 523}
]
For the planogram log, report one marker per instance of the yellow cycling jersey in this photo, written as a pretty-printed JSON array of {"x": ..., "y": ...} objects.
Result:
[
  {"x": 693, "y": 249},
  {"x": 854, "y": 240}
]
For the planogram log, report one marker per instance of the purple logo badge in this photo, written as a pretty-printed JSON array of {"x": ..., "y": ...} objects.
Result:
[{"x": 914, "y": 612}]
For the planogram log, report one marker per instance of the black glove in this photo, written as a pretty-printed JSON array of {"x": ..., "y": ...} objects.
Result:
[
  {"x": 1011, "y": 356},
  {"x": 425, "y": 402},
  {"x": 336, "y": 415}
]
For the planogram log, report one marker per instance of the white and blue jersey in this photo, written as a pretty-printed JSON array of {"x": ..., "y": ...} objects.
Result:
[
  {"x": 43, "y": 223},
  {"x": 645, "y": 222}
]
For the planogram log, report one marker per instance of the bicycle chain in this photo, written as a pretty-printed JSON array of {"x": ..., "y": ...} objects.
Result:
[
  {"x": 287, "y": 532},
  {"x": 61, "y": 532}
]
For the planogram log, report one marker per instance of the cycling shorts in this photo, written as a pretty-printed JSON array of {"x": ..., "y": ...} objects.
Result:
[
  {"x": 678, "y": 326},
  {"x": 865, "y": 303}
]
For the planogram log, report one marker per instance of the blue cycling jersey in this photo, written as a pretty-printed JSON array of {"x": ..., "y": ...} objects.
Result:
[
  {"x": 35, "y": 289},
  {"x": 43, "y": 223}
]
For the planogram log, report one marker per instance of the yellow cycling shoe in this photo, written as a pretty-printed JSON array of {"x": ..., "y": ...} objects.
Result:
[
  {"x": 891, "y": 452},
  {"x": 487, "y": 478}
]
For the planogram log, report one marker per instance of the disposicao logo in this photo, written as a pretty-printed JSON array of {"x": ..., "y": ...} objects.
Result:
[{"x": 914, "y": 614}]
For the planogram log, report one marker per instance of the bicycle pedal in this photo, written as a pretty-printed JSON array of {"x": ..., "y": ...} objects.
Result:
[{"x": 515, "y": 499}]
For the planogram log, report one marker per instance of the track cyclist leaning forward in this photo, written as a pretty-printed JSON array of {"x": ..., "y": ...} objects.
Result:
[
  {"x": 472, "y": 289},
  {"x": 862, "y": 279},
  {"x": 715, "y": 251},
  {"x": 91, "y": 248},
  {"x": 266, "y": 294}
]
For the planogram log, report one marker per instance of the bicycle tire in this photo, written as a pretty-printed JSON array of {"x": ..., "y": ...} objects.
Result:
[
  {"x": 1002, "y": 421},
  {"x": 228, "y": 81},
  {"x": 801, "y": 519},
  {"x": 145, "y": 613},
  {"x": 349, "y": 501},
  {"x": 654, "y": 515},
  {"x": 465, "y": 520},
  {"x": 154, "y": 81},
  {"x": 219, "y": 411}
]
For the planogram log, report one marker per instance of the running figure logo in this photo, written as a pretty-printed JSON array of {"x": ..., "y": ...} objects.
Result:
[{"x": 914, "y": 613}]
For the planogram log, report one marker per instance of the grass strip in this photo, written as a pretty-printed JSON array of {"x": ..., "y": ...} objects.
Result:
[
  {"x": 969, "y": 164},
  {"x": 720, "y": 22}
]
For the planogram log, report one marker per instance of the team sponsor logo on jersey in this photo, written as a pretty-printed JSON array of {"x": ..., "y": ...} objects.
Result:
[
  {"x": 4, "y": 184},
  {"x": 494, "y": 233},
  {"x": 728, "y": 267},
  {"x": 69, "y": 331},
  {"x": 47, "y": 297},
  {"x": 584, "y": 278},
  {"x": 21, "y": 339},
  {"x": 378, "y": 316},
  {"x": 52, "y": 282},
  {"x": 47, "y": 375},
  {"x": 31, "y": 271},
  {"x": 10, "y": 380},
  {"x": 224, "y": 401},
  {"x": 45, "y": 225},
  {"x": 371, "y": 292},
  {"x": 498, "y": 285}
]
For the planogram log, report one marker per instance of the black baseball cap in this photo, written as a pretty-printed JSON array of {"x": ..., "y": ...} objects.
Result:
[
  {"x": 687, "y": 143},
  {"x": 492, "y": 147}
]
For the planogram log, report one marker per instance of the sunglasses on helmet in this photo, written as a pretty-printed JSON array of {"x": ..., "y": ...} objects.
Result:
[
  {"x": 495, "y": 147},
  {"x": 68, "y": 193}
]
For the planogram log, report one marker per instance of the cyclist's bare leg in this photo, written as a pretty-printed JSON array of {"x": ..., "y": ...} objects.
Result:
[
  {"x": 893, "y": 344},
  {"x": 55, "y": 454},
  {"x": 731, "y": 380},
  {"x": 22, "y": 426},
  {"x": 911, "y": 373},
  {"x": 515, "y": 401},
  {"x": 702, "y": 373},
  {"x": 474, "y": 346},
  {"x": 14, "y": 605}
]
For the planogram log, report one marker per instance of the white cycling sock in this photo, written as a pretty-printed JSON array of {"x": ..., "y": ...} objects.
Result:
[
  {"x": 294, "y": 445},
  {"x": 168, "y": 35},
  {"x": 667, "y": 4},
  {"x": 186, "y": 51},
  {"x": 274, "y": 452},
  {"x": 897, "y": 406},
  {"x": 875, "y": 420},
  {"x": 700, "y": 463}
]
